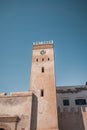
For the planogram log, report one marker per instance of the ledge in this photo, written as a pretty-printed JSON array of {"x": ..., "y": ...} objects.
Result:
[
  {"x": 21, "y": 93},
  {"x": 42, "y": 46},
  {"x": 9, "y": 119},
  {"x": 16, "y": 94}
]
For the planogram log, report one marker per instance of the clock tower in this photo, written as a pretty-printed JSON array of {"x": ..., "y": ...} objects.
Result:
[{"x": 43, "y": 85}]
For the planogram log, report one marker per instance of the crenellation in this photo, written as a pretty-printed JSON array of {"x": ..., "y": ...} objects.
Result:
[
  {"x": 72, "y": 110},
  {"x": 43, "y": 42},
  {"x": 43, "y": 45},
  {"x": 71, "y": 89},
  {"x": 65, "y": 110}
]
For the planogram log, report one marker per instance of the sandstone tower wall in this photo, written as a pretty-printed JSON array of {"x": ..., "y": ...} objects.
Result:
[
  {"x": 15, "y": 111},
  {"x": 43, "y": 86}
]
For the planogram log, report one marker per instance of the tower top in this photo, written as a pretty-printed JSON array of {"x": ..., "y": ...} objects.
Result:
[{"x": 43, "y": 45}]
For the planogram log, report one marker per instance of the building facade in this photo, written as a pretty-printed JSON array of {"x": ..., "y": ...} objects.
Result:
[{"x": 45, "y": 106}]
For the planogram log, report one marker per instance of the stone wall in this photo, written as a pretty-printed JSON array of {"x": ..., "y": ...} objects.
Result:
[
  {"x": 72, "y": 120},
  {"x": 71, "y": 93},
  {"x": 15, "y": 110},
  {"x": 72, "y": 116}
]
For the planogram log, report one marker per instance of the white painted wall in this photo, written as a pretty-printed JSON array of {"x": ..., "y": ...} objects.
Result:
[{"x": 71, "y": 96}]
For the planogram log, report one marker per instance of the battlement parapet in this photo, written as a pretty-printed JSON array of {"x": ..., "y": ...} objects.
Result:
[
  {"x": 71, "y": 89},
  {"x": 72, "y": 110},
  {"x": 16, "y": 94},
  {"x": 43, "y": 45}
]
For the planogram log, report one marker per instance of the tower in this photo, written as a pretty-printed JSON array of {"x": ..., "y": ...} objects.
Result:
[{"x": 43, "y": 85}]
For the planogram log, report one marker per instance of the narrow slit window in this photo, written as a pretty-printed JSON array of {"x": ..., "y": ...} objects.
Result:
[
  {"x": 42, "y": 59},
  {"x": 42, "y": 93},
  {"x": 48, "y": 59},
  {"x": 37, "y": 59},
  {"x": 42, "y": 69}
]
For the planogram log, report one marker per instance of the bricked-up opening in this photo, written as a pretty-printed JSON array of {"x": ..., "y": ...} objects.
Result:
[
  {"x": 42, "y": 93},
  {"x": 80, "y": 101},
  {"x": 66, "y": 102},
  {"x": 42, "y": 69}
]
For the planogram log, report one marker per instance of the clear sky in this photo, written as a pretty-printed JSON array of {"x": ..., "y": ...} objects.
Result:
[{"x": 23, "y": 22}]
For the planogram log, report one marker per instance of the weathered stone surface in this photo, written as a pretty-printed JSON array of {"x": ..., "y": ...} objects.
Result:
[
  {"x": 16, "y": 105},
  {"x": 46, "y": 104},
  {"x": 9, "y": 119}
]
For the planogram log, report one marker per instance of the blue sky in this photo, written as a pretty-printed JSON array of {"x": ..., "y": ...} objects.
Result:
[{"x": 23, "y": 22}]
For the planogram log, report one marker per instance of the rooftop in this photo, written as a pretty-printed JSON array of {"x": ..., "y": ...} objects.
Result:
[{"x": 71, "y": 89}]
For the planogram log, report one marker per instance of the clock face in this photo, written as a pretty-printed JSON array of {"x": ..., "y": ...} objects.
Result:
[{"x": 42, "y": 52}]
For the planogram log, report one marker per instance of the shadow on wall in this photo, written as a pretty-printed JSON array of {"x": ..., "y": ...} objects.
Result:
[
  {"x": 71, "y": 120},
  {"x": 34, "y": 113}
]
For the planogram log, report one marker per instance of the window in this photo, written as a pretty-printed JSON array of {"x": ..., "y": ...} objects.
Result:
[
  {"x": 42, "y": 69},
  {"x": 86, "y": 83},
  {"x": 66, "y": 102},
  {"x": 80, "y": 102},
  {"x": 42, "y": 93}
]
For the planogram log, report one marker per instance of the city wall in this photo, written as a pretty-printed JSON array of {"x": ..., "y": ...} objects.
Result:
[
  {"x": 15, "y": 111},
  {"x": 72, "y": 119}
]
